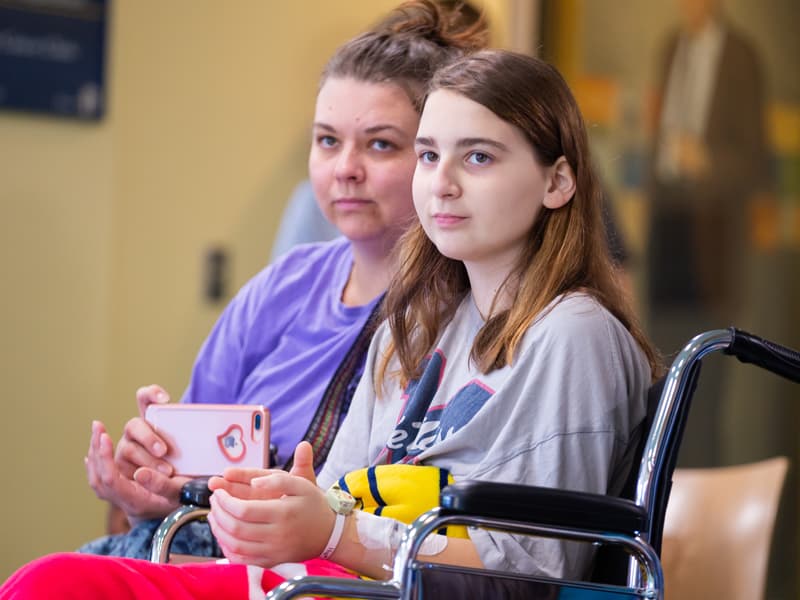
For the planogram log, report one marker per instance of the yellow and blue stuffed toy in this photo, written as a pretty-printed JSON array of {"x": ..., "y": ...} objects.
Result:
[{"x": 399, "y": 491}]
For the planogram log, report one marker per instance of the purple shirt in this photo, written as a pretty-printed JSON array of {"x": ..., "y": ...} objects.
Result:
[{"x": 281, "y": 339}]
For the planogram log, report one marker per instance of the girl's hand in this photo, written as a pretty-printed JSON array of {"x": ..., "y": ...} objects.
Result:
[
  {"x": 269, "y": 517},
  {"x": 286, "y": 518},
  {"x": 237, "y": 480}
]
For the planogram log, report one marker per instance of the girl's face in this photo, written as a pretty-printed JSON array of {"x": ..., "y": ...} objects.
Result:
[
  {"x": 362, "y": 159},
  {"x": 478, "y": 186}
]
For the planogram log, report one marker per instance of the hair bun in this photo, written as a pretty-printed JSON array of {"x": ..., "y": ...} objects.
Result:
[{"x": 448, "y": 23}]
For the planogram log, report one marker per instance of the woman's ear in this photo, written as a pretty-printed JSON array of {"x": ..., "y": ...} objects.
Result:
[{"x": 561, "y": 187}]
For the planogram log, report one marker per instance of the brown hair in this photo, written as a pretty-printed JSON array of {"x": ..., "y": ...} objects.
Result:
[
  {"x": 566, "y": 249},
  {"x": 409, "y": 45}
]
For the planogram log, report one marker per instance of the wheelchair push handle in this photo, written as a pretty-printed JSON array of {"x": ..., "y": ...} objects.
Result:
[{"x": 779, "y": 359}]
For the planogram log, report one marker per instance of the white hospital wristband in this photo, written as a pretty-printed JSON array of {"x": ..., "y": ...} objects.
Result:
[
  {"x": 342, "y": 504},
  {"x": 336, "y": 536}
]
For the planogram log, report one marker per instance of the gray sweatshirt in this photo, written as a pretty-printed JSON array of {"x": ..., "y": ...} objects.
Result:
[{"x": 564, "y": 415}]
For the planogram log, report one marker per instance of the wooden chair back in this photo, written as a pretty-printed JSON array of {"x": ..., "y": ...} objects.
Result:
[{"x": 718, "y": 530}]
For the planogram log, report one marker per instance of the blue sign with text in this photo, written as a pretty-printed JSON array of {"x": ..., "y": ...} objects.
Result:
[{"x": 52, "y": 56}]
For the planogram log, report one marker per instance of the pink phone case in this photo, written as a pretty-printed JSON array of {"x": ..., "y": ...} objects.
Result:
[{"x": 204, "y": 439}]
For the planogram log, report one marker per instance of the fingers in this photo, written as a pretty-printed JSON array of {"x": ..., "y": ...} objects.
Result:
[
  {"x": 237, "y": 481},
  {"x": 145, "y": 444},
  {"x": 159, "y": 484},
  {"x": 291, "y": 526},
  {"x": 263, "y": 502},
  {"x": 238, "y": 490},
  {"x": 303, "y": 464},
  {"x": 105, "y": 467},
  {"x": 134, "y": 499},
  {"x": 141, "y": 446},
  {"x": 109, "y": 483},
  {"x": 150, "y": 394},
  {"x": 240, "y": 517},
  {"x": 246, "y": 475},
  {"x": 97, "y": 459},
  {"x": 242, "y": 509},
  {"x": 142, "y": 432},
  {"x": 240, "y": 483},
  {"x": 284, "y": 484},
  {"x": 216, "y": 483},
  {"x": 94, "y": 441},
  {"x": 247, "y": 531},
  {"x": 247, "y": 543},
  {"x": 101, "y": 469}
]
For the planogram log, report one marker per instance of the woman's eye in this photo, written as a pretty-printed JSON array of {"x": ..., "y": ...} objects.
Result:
[
  {"x": 478, "y": 158},
  {"x": 326, "y": 141},
  {"x": 382, "y": 145},
  {"x": 428, "y": 156}
]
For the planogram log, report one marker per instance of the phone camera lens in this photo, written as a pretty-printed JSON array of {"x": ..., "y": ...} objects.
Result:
[{"x": 258, "y": 422}]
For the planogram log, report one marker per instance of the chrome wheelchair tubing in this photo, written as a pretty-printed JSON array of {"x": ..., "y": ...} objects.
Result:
[
  {"x": 674, "y": 387},
  {"x": 653, "y": 577},
  {"x": 162, "y": 538},
  {"x": 352, "y": 588}
]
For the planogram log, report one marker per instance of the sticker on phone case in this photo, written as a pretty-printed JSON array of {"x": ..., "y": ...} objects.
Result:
[{"x": 232, "y": 443}]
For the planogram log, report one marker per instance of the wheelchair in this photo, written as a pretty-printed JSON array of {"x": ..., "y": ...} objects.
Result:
[
  {"x": 626, "y": 530},
  {"x": 633, "y": 523}
]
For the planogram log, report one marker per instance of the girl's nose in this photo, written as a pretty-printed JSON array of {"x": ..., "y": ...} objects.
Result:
[{"x": 444, "y": 184}]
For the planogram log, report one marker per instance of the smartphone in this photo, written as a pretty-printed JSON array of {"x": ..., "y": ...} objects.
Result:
[{"x": 204, "y": 439}]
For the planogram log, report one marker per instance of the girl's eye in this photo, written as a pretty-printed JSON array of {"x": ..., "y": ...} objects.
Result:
[
  {"x": 478, "y": 158},
  {"x": 428, "y": 156},
  {"x": 326, "y": 141},
  {"x": 382, "y": 145}
]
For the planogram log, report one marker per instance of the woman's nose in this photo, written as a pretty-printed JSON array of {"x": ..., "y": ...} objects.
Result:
[{"x": 350, "y": 166}]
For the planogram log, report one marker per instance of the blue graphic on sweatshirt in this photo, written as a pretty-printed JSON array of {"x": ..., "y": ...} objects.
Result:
[{"x": 421, "y": 425}]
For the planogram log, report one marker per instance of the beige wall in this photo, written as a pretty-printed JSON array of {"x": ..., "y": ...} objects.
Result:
[
  {"x": 104, "y": 228},
  {"x": 56, "y": 197}
]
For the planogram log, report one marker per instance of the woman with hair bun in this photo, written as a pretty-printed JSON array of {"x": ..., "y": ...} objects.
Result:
[{"x": 295, "y": 336}]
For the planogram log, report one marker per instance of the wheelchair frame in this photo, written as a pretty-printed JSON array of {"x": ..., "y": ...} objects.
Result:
[{"x": 635, "y": 525}]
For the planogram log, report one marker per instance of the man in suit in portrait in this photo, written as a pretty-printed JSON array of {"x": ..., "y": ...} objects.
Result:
[{"x": 709, "y": 158}]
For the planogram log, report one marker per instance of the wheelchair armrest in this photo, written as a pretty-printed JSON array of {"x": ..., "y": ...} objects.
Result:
[
  {"x": 542, "y": 505},
  {"x": 195, "y": 504},
  {"x": 196, "y": 493}
]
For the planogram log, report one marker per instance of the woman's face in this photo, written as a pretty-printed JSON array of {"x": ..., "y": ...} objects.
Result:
[{"x": 362, "y": 159}]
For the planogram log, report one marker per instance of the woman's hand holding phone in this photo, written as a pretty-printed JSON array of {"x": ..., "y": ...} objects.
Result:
[
  {"x": 140, "y": 445},
  {"x": 136, "y": 478},
  {"x": 110, "y": 483}
]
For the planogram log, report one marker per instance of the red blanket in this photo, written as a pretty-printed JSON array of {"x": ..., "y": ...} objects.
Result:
[{"x": 70, "y": 576}]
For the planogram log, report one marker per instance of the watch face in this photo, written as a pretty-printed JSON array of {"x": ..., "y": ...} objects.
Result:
[{"x": 340, "y": 501}]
